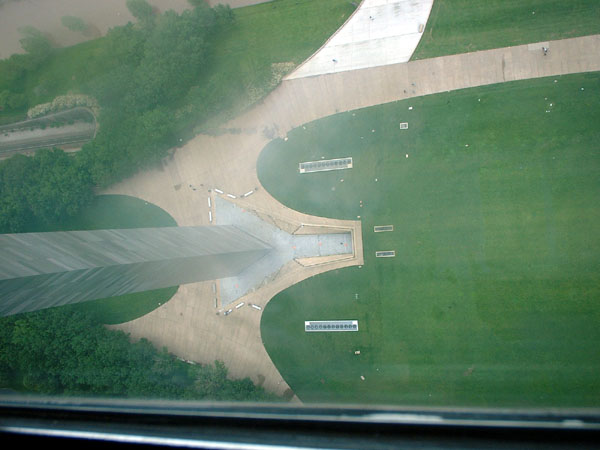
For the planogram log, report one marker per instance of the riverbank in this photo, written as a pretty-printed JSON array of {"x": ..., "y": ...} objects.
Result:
[{"x": 45, "y": 15}]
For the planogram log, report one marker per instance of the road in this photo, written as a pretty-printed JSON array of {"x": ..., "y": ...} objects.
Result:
[
  {"x": 32, "y": 134},
  {"x": 68, "y": 137}
]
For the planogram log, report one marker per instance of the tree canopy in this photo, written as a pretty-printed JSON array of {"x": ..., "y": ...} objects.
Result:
[
  {"x": 74, "y": 23},
  {"x": 61, "y": 352},
  {"x": 159, "y": 62},
  {"x": 34, "y": 42},
  {"x": 154, "y": 64},
  {"x": 42, "y": 189},
  {"x": 140, "y": 9}
]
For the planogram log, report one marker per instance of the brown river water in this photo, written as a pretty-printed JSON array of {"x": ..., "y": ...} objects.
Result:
[{"x": 100, "y": 15}]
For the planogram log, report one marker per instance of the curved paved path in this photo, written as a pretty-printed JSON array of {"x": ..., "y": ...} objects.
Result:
[
  {"x": 302, "y": 100},
  {"x": 187, "y": 325}
]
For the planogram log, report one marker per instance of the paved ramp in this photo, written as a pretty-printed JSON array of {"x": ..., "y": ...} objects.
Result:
[
  {"x": 380, "y": 32},
  {"x": 285, "y": 247}
]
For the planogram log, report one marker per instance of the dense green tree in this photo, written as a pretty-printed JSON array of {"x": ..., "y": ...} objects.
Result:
[
  {"x": 17, "y": 179},
  {"x": 224, "y": 14},
  {"x": 154, "y": 68},
  {"x": 159, "y": 65},
  {"x": 61, "y": 352},
  {"x": 12, "y": 101},
  {"x": 153, "y": 133},
  {"x": 173, "y": 57},
  {"x": 35, "y": 43},
  {"x": 112, "y": 87},
  {"x": 74, "y": 23},
  {"x": 45, "y": 188},
  {"x": 140, "y": 9},
  {"x": 62, "y": 187},
  {"x": 125, "y": 45},
  {"x": 12, "y": 71}
]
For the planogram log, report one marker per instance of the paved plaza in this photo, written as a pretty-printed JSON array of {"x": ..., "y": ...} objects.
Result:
[{"x": 285, "y": 248}]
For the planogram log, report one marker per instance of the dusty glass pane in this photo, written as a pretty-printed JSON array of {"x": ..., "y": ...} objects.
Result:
[{"x": 186, "y": 184}]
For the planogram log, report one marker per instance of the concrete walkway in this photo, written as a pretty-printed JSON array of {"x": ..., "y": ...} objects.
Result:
[
  {"x": 188, "y": 324},
  {"x": 302, "y": 100},
  {"x": 378, "y": 33}
]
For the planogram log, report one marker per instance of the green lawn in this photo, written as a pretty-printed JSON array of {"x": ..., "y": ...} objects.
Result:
[
  {"x": 113, "y": 211},
  {"x": 460, "y": 26},
  {"x": 493, "y": 297},
  {"x": 240, "y": 70},
  {"x": 120, "y": 211}
]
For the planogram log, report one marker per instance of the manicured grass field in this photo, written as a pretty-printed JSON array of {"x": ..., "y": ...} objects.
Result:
[
  {"x": 240, "y": 70},
  {"x": 121, "y": 211},
  {"x": 493, "y": 297},
  {"x": 113, "y": 211},
  {"x": 460, "y": 26}
]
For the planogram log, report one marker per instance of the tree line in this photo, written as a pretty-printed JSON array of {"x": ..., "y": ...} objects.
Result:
[
  {"x": 42, "y": 189},
  {"x": 66, "y": 353}
]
